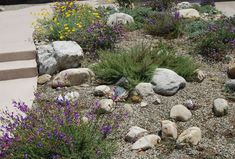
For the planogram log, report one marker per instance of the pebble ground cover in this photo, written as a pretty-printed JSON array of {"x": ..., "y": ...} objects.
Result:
[{"x": 149, "y": 79}]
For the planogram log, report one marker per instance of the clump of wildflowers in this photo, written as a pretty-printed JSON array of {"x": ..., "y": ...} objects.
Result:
[
  {"x": 72, "y": 21},
  {"x": 163, "y": 24},
  {"x": 56, "y": 130},
  {"x": 218, "y": 41}
]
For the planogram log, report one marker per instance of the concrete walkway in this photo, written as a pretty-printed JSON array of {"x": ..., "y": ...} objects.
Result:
[
  {"x": 18, "y": 69},
  {"x": 228, "y": 8}
]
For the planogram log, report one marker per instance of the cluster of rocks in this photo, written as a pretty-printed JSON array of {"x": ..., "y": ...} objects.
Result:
[{"x": 142, "y": 139}]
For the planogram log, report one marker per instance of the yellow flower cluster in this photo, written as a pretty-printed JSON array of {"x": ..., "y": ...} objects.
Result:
[{"x": 68, "y": 18}]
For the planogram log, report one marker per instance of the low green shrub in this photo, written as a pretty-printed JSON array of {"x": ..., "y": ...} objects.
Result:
[
  {"x": 160, "y": 5},
  {"x": 209, "y": 9},
  {"x": 80, "y": 23},
  {"x": 139, "y": 14},
  {"x": 57, "y": 130},
  {"x": 195, "y": 29},
  {"x": 163, "y": 24},
  {"x": 138, "y": 64},
  {"x": 218, "y": 41}
]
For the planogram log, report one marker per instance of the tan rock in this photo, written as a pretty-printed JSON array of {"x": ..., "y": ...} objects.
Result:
[
  {"x": 44, "y": 79},
  {"x": 135, "y": 133},
  {"x": 169, "y": 129},
  {"x": 190, "y": 136},
  {"x": 180, "y": 113},
  {"x": 199, "y": 75},
  {"x": 189, "y": 13},
  {"x": 146, "y": 142},
  {"x": 73, "y": 77}
]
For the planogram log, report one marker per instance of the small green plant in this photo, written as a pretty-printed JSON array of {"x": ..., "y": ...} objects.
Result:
[
  {"x": 161, "y": 5},
  {"x": 138, "y": 64},
  {"x": 139, "y": 14},
  {"x": 195, "y": 29},
  {"x": 218, "y": 41},
  {"x": 125, "y": 3},
  {"x": 163, "y": 24},
  {"x": 209, "y": 9}
]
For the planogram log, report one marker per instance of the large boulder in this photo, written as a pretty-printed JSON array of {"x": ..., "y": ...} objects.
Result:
[
  {"x": 119, "y": 18},
  {"x": 59, "y": 55},
  {"x": 73, "y": 77},
  {"x": 167, "y": 82},
  {"x": 135, "y": 133},
  {"x": 189, "y": 13}
]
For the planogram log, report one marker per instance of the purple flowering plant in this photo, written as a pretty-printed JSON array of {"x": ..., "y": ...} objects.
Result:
[
  {"x": 57, "y": 129},
  {"x": 218, "y": 41},
  {"x": 163, "y": 24}
]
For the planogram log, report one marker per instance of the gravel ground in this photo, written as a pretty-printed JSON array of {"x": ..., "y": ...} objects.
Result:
[{"x": 218, "y": 134}]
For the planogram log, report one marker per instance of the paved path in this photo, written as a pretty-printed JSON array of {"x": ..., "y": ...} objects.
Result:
[
  {"x": 228, "y": 8},
  {"x": 18, "y": 69}
]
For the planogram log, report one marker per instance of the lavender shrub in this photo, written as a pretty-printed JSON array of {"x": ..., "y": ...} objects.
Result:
[{"x": 56, "y": 130}]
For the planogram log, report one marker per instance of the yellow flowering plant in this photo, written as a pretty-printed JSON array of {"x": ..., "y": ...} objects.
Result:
[{"x": 72, "y": 21}]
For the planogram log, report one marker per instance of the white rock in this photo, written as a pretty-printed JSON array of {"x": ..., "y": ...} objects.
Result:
[
  {"x": 85, "y": 119},
  {"x": 146, "y": 142},
  {"x": 144, "y": 104},
  {"x": 119, "y": 18},
  {"x": 135, "y": 133},
  {"x": 47, "y": 64},
  {"x": 180, "y": 113},
  {"x": 220, "y": 107},
  {"x": 167, "y": 82},
  {"x": 189, "y": 13},
  {"x": 72, "y": 96},
  {"x": 128, "y": 108},
  {"x": 144, "y": 89},
  {"x": 106, "y": 105},
  {"x": 190, "y": 136},
  {"x": 44, "y": 79},
  {"x": 73, "y": 77},
  {"x": 68, "y": 54},
  {"x": 59, "y": 55},
  {"x": 184, "y": 5},
  {"x": 101, "y": 90},
  {"x": 169, "y": 129}
]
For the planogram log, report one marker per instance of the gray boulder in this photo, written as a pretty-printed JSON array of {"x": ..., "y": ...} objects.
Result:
[
  {"x": 59, "y": 55},
  {"x": 144, "y": 89},
  {"x": 230, "y": 84},
  {"x": 167, "y": 82}
]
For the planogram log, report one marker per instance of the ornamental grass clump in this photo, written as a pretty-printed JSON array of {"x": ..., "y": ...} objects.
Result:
[
  {"x": 72, "y": 21},
  {"x": 218, "y": 41},
  {"x": 57, "y": 130},
  {"x": 163, "y": 24},
  {"x": 138, "y": 63}
]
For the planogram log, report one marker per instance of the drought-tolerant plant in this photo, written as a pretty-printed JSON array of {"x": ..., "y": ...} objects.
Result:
[
  {"x": 163, "y": 24},
  {"x": 139, "y": 14},
  {"x": 160, "y": 5},
  {"x": 195, "y": 29},
  {"x": 71, "y": 21},
  {"x": 125, "y": 3},
  {"x": 57, "y": 130},
  {"x": 138, "y": 63},
  {"x": 209, "y": 9},
  {"x": 218, "y": 41}
]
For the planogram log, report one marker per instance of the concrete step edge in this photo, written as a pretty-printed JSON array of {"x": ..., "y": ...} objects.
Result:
[{"x": 16, "y": 56}]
